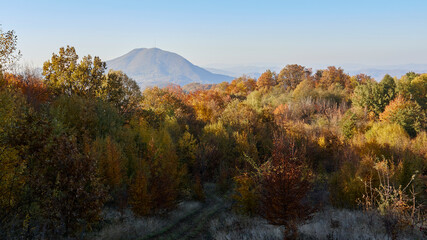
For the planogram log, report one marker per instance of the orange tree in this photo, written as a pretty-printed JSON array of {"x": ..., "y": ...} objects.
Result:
[{"x": 285, "y": 182}]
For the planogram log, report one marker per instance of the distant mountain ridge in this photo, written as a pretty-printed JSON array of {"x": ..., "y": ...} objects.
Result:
[
  {"x": 156, "y": 67},
  {"x": 377, "y": 72}
]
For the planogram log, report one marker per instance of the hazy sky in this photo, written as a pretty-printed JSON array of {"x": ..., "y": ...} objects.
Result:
[{"x": 225, "y": 32}]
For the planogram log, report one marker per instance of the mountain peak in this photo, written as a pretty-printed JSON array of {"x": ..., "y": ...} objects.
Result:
[{"x": 157, "y": 67}]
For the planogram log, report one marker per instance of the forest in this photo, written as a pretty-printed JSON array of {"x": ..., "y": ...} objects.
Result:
[{"x": 78, "y": 140}]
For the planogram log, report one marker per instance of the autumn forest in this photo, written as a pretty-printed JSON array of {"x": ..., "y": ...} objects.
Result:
[{"x": 78, "y": 142}]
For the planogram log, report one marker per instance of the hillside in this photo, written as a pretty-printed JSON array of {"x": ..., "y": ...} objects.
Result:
[{"x": 156, "y": 67}]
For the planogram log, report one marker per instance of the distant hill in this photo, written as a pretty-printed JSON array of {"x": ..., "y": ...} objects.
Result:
[
  {"x": 156, "y": 67},
  {"x": 378, "y": 72},
  {"x": 238, "y": 71},
  {"x": 375, "y": 71}
]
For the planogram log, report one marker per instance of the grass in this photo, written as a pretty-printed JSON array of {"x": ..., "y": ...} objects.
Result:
[
  {"x": 132, "y": 227},
  {"x": 228, "y": 225},
  {"x": 215, "y": 220},
  {"x": 346, "y": 224}
]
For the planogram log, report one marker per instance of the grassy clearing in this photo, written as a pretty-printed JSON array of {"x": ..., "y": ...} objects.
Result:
[
  {"x": 228, "y": 225},
  {"x": 214, "y": 220},
  {"x": 346, "y": 224},
  {"x": 131, "y": 227}
]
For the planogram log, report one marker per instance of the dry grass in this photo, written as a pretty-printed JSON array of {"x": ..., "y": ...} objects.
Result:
[
  {"x": 230, "y": 226},
  {"x": 129, "y": 226},
  {"x": 327, "y": 224},
  {"x": 347, "y": 224}
]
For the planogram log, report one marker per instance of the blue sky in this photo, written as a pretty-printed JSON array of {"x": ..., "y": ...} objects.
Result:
[{"x": 226, "y": 32}]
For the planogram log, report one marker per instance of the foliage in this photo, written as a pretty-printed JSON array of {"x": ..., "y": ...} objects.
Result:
[
  {"x": 285, "y": 183},
  {"x": 332, "y": 76},
  {"x": 292, "y": 75},
  {"x": 304, "y": 89},
  {"x": 246, "y": 194},
  {"x": 267, "y": 80},
  {"x": 345, "y": 186},
  {"x": 12, "y": 165},
  {"x": 110, "y": 161},
  {"x": 386, "y": 133},
  {"x": 400, "y": 209},
  {"x": 375, "y": 96},
  {"x": 121, "y": 91},
  {"x": 9, "y": 54},
  {"x": 407, "y": 114},
  {"x": 80, "y": 140},
  {"x": 348, "y": 124},
  {"x": 65, "y": 75},
  {"x": 156, "y": 185},
  {"x": 71, "y": 192},
  {"x": 241, "y": 86}
]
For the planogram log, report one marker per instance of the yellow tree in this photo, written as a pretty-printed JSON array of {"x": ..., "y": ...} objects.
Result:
[{"x": 65, "y": 75}]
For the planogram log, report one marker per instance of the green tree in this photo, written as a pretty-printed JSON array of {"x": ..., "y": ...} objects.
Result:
[
  {"x": 375, "y": 96},
  {"x": 85, "y": 118},
  {"x": 122, "y": 91},
  {"x": 414, "y": 87},
  {"x": 65, "y": 75}
]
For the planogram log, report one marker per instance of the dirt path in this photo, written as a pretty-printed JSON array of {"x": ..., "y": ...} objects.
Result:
[{"x": 194, "y": 225}]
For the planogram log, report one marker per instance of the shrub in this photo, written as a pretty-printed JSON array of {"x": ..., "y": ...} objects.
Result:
[
  {"x": 345, "y": 186},
  {"x": 246, "y": 194},
  {"x": 390, "y": 134},
  {"x": 407, "y": 114}
]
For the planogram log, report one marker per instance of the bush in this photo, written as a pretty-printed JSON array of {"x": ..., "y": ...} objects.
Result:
[
  {"x": 246, "y": 194},
  {"x": 407, "y": 114},
  {"x": 390, "y": 134}
]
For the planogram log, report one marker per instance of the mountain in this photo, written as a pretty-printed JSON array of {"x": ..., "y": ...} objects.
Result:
[{"x": 156, "y": 67}]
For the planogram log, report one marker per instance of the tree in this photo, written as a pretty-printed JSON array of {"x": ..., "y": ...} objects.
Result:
[
  {"x": 30, "y": 84},
  {"x": 241, "y": 86},
  {"x": 363, "y": 78},
  {"x": 208, "y": 105},
  {"x": 69, "y": 189},
  {"x": 332, "y": 76},
  {"x": 304, "y": 89},
  {"x": 375, "y": 96},
  {"x": 122, "y": 91},
  {"x": 387, "y": 88},
  {"x": 156, "y": 184},
  {"x": 406, "y": 113},
  {"x": 85, "y": 118},
  {"x": 414, "y": 87},
  {"x": 285, "y": 183},
  {"x": 8, "y": 51},
  {"x": 110, "y": 159},
  {"x": 65, "y": 75},
  {"x": 267, "y": 80},
  {"x": 12, "y": 163},
  {"x": 292, "y": 75}
]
